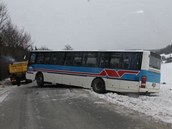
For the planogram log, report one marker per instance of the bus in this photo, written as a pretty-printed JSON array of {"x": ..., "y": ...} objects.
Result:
[{"x": 136, "y": 71}]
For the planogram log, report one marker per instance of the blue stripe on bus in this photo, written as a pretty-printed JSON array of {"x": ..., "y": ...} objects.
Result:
[
  {"x": 151, "y": 76},
  {"x": 86, "y": 71}
]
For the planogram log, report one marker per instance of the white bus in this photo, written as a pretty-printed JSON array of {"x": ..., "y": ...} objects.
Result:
[{"x": 120, "y": 71}]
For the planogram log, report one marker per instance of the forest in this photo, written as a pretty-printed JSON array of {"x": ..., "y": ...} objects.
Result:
[{"x": 14, "y": 42}]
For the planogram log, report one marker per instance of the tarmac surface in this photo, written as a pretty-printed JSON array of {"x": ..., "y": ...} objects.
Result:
[{"x": 64, "y": 107}]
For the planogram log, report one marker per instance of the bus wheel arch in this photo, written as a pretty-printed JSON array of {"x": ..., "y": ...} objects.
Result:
[
  {"x": 39, "y": 79},
  {"x": 98, "y": 85}
]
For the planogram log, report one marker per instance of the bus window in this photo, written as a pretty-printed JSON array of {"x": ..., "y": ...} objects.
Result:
[
  {"x": 47, "y": 57},
  {"x": 32, "y": 58},
  {"x": 115, "y": 60},
  {"x": 90, "y": 59},
  {"x": 132, "y": 61},
  {"x": 104, "y": 60},
  {"x": 69, "y": 58},
  {"x": 126, "y": 61},
  {"x": 60, "y": 58},
  {"x": 57, "y": 58},
  {"x": 40, "y": 58},
  {"x": 155, "y": 61},
  {"x": 54, "y": 58},
  {"x": 77, "y": 60}
]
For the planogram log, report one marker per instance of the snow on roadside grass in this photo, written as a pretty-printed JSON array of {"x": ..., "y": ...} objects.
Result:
[{"x": 158, "y": 106}]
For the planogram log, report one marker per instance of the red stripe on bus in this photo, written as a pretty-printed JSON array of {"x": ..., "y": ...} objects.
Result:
[{"x": 106, "y": 72}]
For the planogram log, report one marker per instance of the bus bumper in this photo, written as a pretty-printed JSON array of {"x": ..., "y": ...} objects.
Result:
[
  {"x": 146, "y": 90},
  {"x": 150, "y": 88}
]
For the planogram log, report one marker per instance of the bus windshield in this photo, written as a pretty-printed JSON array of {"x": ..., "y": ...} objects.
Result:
[{"x": 155, "y": 61}]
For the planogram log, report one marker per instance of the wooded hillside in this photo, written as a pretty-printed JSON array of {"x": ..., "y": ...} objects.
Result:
[
  {"x": 14, "y": 42},
  {"x": 166, "y": 50}
]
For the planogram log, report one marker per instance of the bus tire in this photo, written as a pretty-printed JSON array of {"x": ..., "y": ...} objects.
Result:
[
  {"x": 40, "y": 79},
  {"x": 98, "y": 85},
  {"x": 13, "y": 83},
  {"x": 18, "y": 81}
]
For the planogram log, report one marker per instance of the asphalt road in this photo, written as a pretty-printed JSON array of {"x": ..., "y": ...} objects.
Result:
[{"x": 61, "y": 107}]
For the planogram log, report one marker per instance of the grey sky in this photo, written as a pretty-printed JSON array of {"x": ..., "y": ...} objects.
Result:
[{"x": 95, "y": 24}]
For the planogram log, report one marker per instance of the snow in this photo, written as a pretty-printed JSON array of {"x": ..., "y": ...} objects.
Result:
[
  {"x": 166, "y": 55},
  {"x": 158, "y": 106},
  {"x": 3, "y": 96},
  {"x": 166, "y": 73},
  {"x": 5, "y": 87}
]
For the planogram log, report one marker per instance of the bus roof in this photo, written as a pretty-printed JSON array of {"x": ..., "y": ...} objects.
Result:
[{"x": 90, "y": 51}]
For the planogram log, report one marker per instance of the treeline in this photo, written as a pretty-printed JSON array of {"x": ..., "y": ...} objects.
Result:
[
  {"x": 166, "y": 50},
  {"x": 14, "y": 42}
]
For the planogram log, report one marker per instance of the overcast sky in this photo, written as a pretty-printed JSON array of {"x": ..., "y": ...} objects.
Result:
[{"x": 95, "y": 24}]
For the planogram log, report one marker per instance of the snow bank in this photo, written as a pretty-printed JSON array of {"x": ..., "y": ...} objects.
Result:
[
  {"x": 5, "y": 82},
  {"x": 158, "y": 106},
  {"x": 166, "y": 73},
  {"x": 166, "y": 55}
]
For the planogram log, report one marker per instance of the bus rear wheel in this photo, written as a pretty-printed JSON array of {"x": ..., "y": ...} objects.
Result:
[
  {"x": 40, "y": 79},
  {"x": 98, "y": 85}
]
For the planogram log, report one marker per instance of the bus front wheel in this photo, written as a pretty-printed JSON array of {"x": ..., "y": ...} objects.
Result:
[
  {"x": 98, "y": 85},
  {"x": 40, "y": 79}
]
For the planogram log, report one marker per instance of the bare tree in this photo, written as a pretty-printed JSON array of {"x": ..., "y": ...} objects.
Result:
[
  {"x": 12, "y": 37},
  {"x": 68, "y": 47},
  {"x": 3, "y": 19},
  {"x": 3, "y": 16},
  {"x": 14, "y": 42}
]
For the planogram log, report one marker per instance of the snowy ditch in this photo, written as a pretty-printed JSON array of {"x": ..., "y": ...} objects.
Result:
[{"x": 158, "y": 106}]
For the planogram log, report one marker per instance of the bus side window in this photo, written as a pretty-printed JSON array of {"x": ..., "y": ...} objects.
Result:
[
  {"x": 47, "y": 57},
  {"x": 77, "y": 60},
  {"x": 104, "y": 60},
  {"x": 33, "y": 58},
  {"x": 57, "y": 58},
  {"x": 133, "y": 60},
  {"x": 54, "y": 58},
  {"x": 84, "y": 59},
  {"x": 40, "y": 58},
  {"x": 126, "y": 61},
  {"x": 60, "y": 58},
  {"x": 69, "y": 59},
  {"x": 90, "y": 59},
  {"x": 115, "y": 61}
]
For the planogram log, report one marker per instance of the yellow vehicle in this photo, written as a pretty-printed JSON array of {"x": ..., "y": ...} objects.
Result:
[{"x": 17, "y": 72}]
